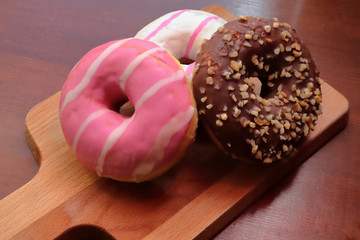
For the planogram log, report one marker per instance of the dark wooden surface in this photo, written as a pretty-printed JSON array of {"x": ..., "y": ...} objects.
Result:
[{"x": 40, "y": 41}]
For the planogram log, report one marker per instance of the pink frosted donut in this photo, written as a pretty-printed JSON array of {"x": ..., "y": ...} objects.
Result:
[
  {"x": 153, "y": 139},
  {"x": 181, "y": 33}
]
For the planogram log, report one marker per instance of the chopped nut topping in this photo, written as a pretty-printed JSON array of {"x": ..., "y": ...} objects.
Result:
[
  {"x": 196, "y": 68},
  {"x": 270, "y": 84},
  {"x": 275, "y": 24},
  {"x": 203, "y": 41},
  {"x": 233, "y": 97},
  {"x": 296, "y": 46},
  {"x": 227, "y": 37},
  {"x": 210, "y": 71},
  {"x": 202, "y": 90},
  {"x": 221, "y": 29},
  {"x": 242, "y": 18},
  {"x": 243, "y": 87},
  {"x": 224, "y": 116},
  {"x": 237, "y": 76},
  {"x": 236, "y": 112},
  {"x": 219, "y": 123},
  {"x": 235, "y": 65},
  {"x": 271, "y": 77},
  {"x": 267, "y": 68},
  {"x": 247, "y": 44},
  {"x": 277, "y": 50},
  {"x": 242, "y": 103},
  {"x": 283, "y": 73},
  {"x": 209, "y": 81},
  {"x": 282, "y": 48},
  {"x": 318, "y": 99},
  {"x": 288, "y": 116},
  {"x": 203, "y": 99},
  {"x": 258, "y": 155},
  {"x": 244, "y": 122},
  {"x": 296, "y": 53},
  {"x": 255, "y": 60},
  {"x": 256, "y": 108},
  {"x": 248, "y": 36},
  {"x": 285, "y": 148},
  {"x": 230, "y": 88},
  {"x": 259, "y": 121},
  {"x": 244, "y": 95},
  {"x": 289, "y": 58},
  {"x": 298, "y": 107},
  {"x": 209, "y": 106},
  {"x": 265, "y": 102},
  {"x": 233, "y": 54},
  {"x": 297, "y": 74},
  {"x": 285, "y": 35},
  {"x": 253, "y": 112},
  {"x": 267, "y": 160},
  {"x": 260, "y": 41},
  {"x": 267, "y": 28},
  {"x": 310, "y": 85},
  {"x": 226, "y": 74},
  {"x": 306, "y": 130}
]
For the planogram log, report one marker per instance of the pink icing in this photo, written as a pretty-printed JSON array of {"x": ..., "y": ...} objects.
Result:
[
  {"x": 108, "y": 142},
  {"x": 165, "y": 23},
  {"x": 196, "y": 33}
]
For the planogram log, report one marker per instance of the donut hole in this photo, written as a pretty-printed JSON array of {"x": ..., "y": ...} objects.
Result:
[
  {"x": 261, "y": 89},
  {"x": 186, "y": 61},
  {"x": 125, "y": 108}
]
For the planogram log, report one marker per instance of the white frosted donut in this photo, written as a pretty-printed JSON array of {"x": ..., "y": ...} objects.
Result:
[
  {"x": 154, "y": 138},
  {"x": 181, "y": 32}
]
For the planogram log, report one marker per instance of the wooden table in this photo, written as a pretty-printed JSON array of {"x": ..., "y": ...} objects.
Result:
[{"x": 42, "y": 40}]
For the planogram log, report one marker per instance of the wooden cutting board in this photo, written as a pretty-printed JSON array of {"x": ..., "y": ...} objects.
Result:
[{"x": 194, "y": 200}]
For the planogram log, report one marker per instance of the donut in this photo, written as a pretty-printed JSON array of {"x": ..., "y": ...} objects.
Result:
[
  {"x": 257, "y": 89},
  {"x": 181, "y": 33},
  {"x": 132, "y": 148}
]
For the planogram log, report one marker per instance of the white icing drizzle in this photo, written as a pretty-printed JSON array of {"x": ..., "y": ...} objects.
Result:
[
  {"x": 163, "y": 139},
  {"x": 178, "y": 75},
  {"x": 75, "y": 92},
  {"x": 88, "y": 120},
  {"x": 116, "y": 134},
  {"x": 131, "y": 67},
  {"x": 109, "y": 143}
]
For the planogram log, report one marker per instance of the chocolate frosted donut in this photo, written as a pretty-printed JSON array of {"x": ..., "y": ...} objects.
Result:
[{"x": 257, "y": 89}]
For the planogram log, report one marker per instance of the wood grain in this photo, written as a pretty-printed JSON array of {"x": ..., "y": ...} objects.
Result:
[
  {"x": 63, "y": 191},
  {"x": 41, "y": 41}
]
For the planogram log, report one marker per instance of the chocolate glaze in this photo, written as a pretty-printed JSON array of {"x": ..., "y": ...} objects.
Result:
[{"x": 263, "y": 126}]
